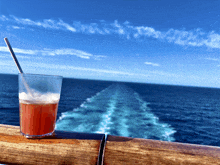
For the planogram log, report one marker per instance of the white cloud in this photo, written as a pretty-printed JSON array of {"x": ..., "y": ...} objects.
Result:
[
  {"x": 100, "y": 70},
  {"x": 97, "y": 70},
  {"x": 25, "y": 51},
  {"x": 17, "y": 50},
  {"x": 46, "y": 23},
  {"x": 213, "y": 40},
  {"x": 92, "y": 28},
  {"x": 68, "y": 67},
  {"x": 67, "y": 26},
  {"x": 99, "y": 57},
  {"x": 195, "y": 37},
  {"x": 119, "y": 28},
  {"x": 212, "y": 59},
  {"x": 3, "y": 18},
  {"x": 53, "y": 52},
  {"x": 146, "y": 31},
  {"x": 3, "y": 49},
  {"x": 17, "y": 27},
  {"x": 23, "y": 57},
  {"x": 152, "y": 64},
  {"x": 66, "y": 51}
]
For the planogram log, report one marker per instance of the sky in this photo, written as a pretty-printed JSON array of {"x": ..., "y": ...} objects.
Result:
[{"x": 147, "y": 41}]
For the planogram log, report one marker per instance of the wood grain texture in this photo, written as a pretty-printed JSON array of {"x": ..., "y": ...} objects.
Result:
[
  {"x": 82, "y": 148},
  {"x": 62, "y": 148},
  {"x": 122, "y": 150}
]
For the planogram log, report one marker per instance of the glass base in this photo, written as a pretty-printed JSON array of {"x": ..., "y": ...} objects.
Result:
[{"x": 36, "y": 136}]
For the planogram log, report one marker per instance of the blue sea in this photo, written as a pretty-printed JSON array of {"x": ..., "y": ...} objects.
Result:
[{"x": 161, "y": 112}]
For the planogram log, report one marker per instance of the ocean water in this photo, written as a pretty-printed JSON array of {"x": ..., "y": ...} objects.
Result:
[{"x": 160, "y": 112}]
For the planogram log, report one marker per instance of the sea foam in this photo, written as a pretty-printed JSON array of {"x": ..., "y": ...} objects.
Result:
[
  {"x": 39, "y": 98},
  {"x": 116, "y": 110}
]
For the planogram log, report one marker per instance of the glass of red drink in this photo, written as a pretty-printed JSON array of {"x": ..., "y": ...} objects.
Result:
[{"x": 39, "y": 96}]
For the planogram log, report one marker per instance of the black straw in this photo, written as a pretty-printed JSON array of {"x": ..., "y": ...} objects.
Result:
[
  {"x": 18, "y": 65},
  {"x": 13, "y": 55}
]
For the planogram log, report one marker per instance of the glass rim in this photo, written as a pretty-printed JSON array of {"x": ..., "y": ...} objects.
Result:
[{"x": 43, "y": 75}]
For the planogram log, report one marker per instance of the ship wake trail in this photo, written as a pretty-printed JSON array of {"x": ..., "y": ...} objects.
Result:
[{"x": 116, "y": 110}]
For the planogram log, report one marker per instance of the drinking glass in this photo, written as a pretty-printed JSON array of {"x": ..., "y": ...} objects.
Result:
[{"x": 39, "y": 96}]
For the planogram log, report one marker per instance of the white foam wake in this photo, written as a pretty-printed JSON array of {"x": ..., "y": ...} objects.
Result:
[
  {"x": 116, "y": 110},
  {"x": 104, "y": 126}
]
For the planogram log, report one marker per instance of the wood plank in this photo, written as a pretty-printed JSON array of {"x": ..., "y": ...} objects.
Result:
[
  {"x": 122, "y": 150},
  {"x": 62, "y": 148}
]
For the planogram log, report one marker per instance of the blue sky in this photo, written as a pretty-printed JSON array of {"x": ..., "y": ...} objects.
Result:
[{"x": 148, "y": 41}]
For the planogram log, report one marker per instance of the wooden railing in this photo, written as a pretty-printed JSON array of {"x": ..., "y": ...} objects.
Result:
[{"x": 82, "y": 148}]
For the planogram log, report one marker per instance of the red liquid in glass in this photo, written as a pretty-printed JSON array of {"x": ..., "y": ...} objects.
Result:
[{"x": 37, "y": 119}]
